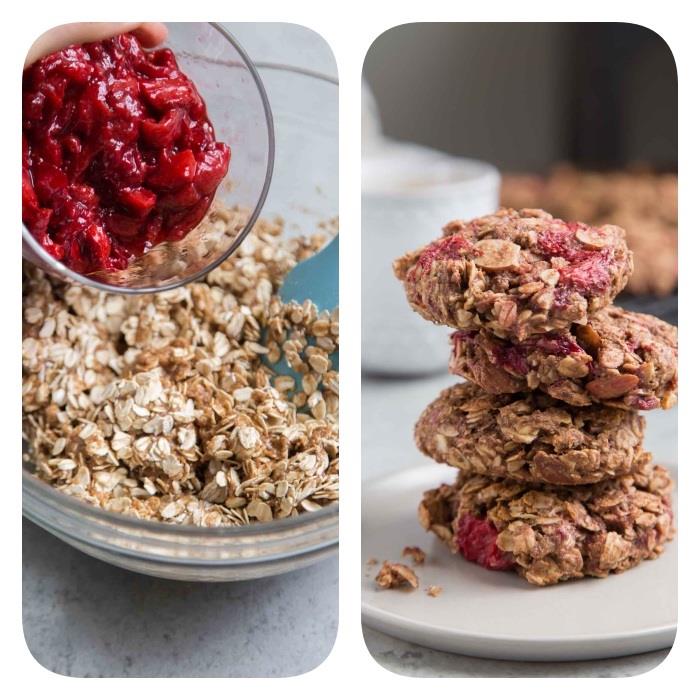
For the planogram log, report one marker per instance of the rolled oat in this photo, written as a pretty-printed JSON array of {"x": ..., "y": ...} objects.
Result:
[{"x": 161, "y": 406}]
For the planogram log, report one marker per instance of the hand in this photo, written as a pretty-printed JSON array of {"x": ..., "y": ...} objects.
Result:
[{"x": 148, "y": 33}]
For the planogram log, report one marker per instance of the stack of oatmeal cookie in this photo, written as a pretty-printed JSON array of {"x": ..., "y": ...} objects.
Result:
[{"x": 546, "y": 432}]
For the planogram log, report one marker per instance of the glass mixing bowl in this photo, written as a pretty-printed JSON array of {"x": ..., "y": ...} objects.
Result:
[
  {"x": 239, "y": 109},
  {"x": 304, "y": 191}
]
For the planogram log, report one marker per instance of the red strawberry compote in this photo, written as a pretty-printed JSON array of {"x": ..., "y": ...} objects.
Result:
[
  {"x": 118, "y": 153},
  {"x": 476, "y": 539}
]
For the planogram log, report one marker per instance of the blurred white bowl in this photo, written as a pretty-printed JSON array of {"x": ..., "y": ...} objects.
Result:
[{"x": 408, "y": 193}]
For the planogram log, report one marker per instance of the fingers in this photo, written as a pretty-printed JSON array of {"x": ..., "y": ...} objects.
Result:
[{"x": 149, "y": 33}]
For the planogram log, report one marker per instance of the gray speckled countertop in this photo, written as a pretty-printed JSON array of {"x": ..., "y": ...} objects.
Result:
[
  {"x": 383, "y": 452},
  {"x": 83, "y": 617}
]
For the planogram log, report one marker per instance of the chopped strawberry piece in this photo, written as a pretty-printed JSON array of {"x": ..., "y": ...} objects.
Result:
[
  {"x": 184, "y": 198},
  {"x": 558, "y": 345},
  {"x": 164, "y": 131},
  {"x": 138, "y": 200},
  {"x": 476, "y": 539},
  {"x": 98, "y": 242},
  {"x": 167, "y": 93},
  {"x": 123, "y": 225},
  {"x": 174, "y": 172},
  {"x": 180, "y": 223},
  {"x": 212, "y": 167},
  {"x": 559, "y": 241},
  {"x": 511, "y": 358},
  {"x": 49, "y": 179},
  {"x": 448, "y": 248},
  {"x": 589, "y": 276}
]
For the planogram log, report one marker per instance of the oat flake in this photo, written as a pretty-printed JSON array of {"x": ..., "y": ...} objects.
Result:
[{"x": 160, "y": 406}]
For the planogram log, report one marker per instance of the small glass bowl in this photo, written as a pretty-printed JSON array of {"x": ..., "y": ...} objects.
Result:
[
  {"x": 304, "y": 192},
  {"x": 239, "y": 109}
]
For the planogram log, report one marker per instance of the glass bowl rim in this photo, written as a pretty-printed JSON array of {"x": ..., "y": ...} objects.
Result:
[
  {"x": 76, "y": 277},
  {"x": 35, "y": 486}
]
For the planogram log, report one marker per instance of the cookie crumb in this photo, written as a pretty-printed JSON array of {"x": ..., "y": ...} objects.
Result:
[
  {"x": 433, "y": 591},
  {"x": 394, "y": 575},
  {"x": 372, "y": 561},
  {"x": 416, "y": 553}
]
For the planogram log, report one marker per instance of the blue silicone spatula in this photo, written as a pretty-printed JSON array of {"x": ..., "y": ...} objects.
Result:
[{"x": 315, "y": 278}]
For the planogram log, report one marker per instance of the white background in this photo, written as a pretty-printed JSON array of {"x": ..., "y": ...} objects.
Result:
[{"x": 349, "y": 28}]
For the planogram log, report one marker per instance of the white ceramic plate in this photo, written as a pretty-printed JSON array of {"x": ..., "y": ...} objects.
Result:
[{"x": 497, "y": 614}]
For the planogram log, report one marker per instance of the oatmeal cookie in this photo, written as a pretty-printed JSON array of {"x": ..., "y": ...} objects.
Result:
[
  {"x": 529, "y": 437},
  {"x": 552, "y": 534},
  {"x": 516, "y": 273},
  {"x": 619, "y": 358},
  {"x": 523, "y": 190},
  {"x": 654, "y": 243}
]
